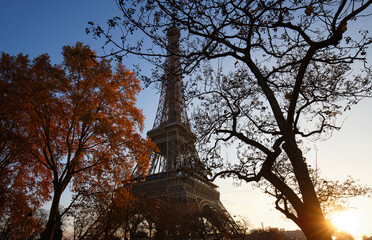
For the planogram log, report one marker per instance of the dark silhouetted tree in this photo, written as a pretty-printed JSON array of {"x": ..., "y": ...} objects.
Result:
[{"x": 294, "y": 67}]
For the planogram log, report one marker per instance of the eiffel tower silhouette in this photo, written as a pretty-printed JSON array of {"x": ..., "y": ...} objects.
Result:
[{"x": 177, "y": 178}]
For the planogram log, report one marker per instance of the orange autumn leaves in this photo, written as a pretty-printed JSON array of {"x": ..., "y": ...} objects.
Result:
[
  {"x": 71, "y": 122},
  {"x": 23, "y": 184}
]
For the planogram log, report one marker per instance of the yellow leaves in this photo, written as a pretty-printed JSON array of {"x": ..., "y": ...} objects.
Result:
[{"x": 309, "y": 10}]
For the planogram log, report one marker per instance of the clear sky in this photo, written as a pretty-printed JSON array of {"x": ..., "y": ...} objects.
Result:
[{"x": 44, "y": 26}]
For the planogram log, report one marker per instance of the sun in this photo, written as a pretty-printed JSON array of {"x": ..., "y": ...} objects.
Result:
[{"x": 346, "y": 221}]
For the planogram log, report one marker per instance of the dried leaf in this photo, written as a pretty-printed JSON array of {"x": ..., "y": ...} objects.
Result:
[{"x": 309, "y": 10}]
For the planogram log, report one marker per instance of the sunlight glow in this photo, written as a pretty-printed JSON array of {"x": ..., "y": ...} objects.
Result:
[{"x": 347, "y": 221}]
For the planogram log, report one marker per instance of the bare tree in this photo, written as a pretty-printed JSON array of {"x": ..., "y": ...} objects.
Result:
[{"x": 295, "y": 68}]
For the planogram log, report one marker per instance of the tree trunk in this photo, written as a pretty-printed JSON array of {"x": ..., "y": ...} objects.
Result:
[
  {"x": 48, "y": 233},
  {"x": 315, "y": 227},
  {"x": 311, "y": 217}
]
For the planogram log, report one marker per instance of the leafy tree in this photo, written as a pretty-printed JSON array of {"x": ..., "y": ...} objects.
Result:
[
  {"x": 23, "y": 185},
  {"x": 294, "y": 72},
  {"x": 79, "y": 124}
]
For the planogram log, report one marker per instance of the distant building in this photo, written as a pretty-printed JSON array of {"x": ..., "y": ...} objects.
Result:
[{"x": 294, "y": 235}]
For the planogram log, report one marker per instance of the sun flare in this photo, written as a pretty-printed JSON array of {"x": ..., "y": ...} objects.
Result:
[{"x": 346, "y": 221}]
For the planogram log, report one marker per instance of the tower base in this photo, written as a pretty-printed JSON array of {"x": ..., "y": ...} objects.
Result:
[{"x": 181, "y": 206}]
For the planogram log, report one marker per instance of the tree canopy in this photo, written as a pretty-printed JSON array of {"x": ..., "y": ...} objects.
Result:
[{"x": 74, "y": 123}]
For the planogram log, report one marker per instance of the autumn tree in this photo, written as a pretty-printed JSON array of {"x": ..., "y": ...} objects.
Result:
[
  {"x": 80, "y": 123},
  {"x": 23, "y": 187},
  {"x": 295, "y": 66}
]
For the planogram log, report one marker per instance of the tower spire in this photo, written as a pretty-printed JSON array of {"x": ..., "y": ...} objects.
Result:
[
  {"x": 171, "y": 107},
  {"x": 173, "y": 76},
  {"x": 171, "y": 131}
]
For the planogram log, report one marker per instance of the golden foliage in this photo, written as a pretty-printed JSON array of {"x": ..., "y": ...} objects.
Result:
[{"x": 76, "y": 121}]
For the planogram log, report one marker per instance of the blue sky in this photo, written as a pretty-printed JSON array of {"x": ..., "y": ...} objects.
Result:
[
  {"x": 40, "y": 26},
  {"x": 34, "y": 27}
]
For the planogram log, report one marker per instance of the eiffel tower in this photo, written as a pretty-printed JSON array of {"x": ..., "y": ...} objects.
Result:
[{"x": 176, "y": 179}]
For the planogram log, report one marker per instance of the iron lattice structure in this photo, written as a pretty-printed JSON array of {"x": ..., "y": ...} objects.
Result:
[
  {"x": 171, "y": 131},
  {"x": 177, "y": 176}
]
